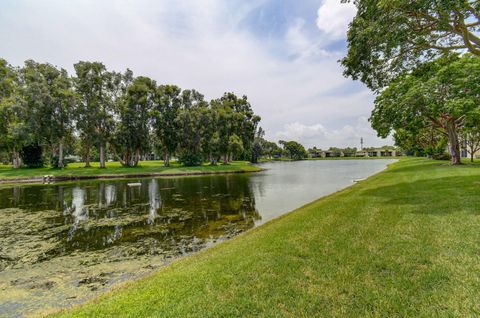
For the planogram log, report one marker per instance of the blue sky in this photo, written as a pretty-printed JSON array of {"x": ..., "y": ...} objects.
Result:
[{"x": 282, "y": 54}]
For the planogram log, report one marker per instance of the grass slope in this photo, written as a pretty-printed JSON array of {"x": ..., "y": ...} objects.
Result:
[
  {"x": 115, "y": 168},
  {"x": 404, "y": 243}
]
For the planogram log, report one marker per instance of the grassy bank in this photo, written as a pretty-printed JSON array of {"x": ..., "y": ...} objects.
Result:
[
  {"x": 404, "y": 243},
  {"x": 115, "y": 168}
]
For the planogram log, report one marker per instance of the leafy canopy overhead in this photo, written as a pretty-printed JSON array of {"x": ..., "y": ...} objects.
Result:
[
  {"x": 443, "y": 95},
  {"x": 388, "y": 37}
]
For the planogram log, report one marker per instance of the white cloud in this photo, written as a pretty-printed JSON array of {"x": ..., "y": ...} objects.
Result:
[
  {"x": 333, "y": 17},
  {"x": 300, "y": 45},
  {"x": 197, "y": 44}
]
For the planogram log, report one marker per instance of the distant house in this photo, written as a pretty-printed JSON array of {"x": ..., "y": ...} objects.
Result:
[
  {"x": 465, "y": 154},
  {"x": 386, "y": 151},
  {"x": 331, "y": 153}
]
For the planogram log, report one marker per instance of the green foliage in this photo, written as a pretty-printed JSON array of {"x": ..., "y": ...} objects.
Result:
[
  {"x": 190, "y": 158},
  {"x": 194, "y": 127},
  {"x": 235, "y": 117},
  {"x": 32, "y": 155},
  {"x": 442, "y": 94},
  {"x": 235, "y": 145},
  {"x": 100, "y": 93},
  {"x": 294, "y": 150},
  {"x": 131, "y": 117},
  {"x": 388, "y": 37},
  {"x": 132, "y": 133},
  {"x": 54, "y": 162}
]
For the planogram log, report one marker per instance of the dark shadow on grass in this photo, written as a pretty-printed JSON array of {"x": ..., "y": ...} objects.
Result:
[{"x": 432, "y": 196}]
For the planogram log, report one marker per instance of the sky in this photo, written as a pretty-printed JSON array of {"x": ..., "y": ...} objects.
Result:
[{"x": 282, "y": 54}]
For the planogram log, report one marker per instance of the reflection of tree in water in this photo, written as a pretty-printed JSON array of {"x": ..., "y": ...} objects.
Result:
[{"x": 169, "y": 216}]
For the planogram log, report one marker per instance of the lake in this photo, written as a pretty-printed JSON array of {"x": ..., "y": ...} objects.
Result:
[{"x": 61, "y": 244}]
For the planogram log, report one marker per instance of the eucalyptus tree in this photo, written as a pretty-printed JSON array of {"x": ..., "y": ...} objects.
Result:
[
  {"x": 258, "y": 145},
  {"x": 11, "y": 126},
  {"x": 192, "y": 122},
  {"x": 168, "y": 101},
  {"x": 38, "y": 97},
  {"x": 210, "y": 135},
  {"x": 58, "y": 119},
  {"x": 97, "y": 89},
  {"x": 132, "y": 137},
  {"x": 271, "y": 149},
  {"x": 235, "y": 117},
  {"x": 442, "y": 94},
  {"x": 293, "y": 149},
  {"x": 388, "y": 37},
  {"x": 235, "y": 146}
]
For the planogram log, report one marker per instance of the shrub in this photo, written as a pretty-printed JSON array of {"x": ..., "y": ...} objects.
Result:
[
  {"x": 32, "y": 156},
  {"x": 190, "y": 159}
]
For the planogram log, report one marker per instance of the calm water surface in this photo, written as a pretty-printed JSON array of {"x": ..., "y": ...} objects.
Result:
[{"x": 63, "y": 243}]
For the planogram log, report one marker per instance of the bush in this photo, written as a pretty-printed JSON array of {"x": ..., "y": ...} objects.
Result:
[
  {"x": 32, "y": 156},
  {"x": 442, "y": 156},
  {"x": 190, "y": 159},
  {"x": 54, "y": 162}
]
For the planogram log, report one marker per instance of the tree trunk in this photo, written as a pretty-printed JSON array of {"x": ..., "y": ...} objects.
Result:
[
  {"x": 471, "y": 156},
  {"x": 137, "y": 157},
  {"x": 102, "y": 155},
  {"x": 60, "y": 154},
  {"x": 453, "y": 144},
  {"x": 87, "y": 155},
  {"x": 15, "y": 159},
  {"x": 166, "y": 160}
]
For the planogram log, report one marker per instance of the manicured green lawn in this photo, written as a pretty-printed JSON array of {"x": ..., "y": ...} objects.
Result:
[
  {"x": 114, "y": 168},
  {"x": 404, "y": 243}
]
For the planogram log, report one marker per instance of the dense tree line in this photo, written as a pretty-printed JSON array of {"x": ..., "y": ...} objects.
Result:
[{"x": 46, "y": 113}]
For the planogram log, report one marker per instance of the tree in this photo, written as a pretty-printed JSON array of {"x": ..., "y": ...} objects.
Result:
[
  {"x": 258, "y": 145},
  {"x": 388, "y": 37},
  {"x": 45, "y": 100},
  {"x": 11, "y": 127},
  {"x": 192, "y": 122},
  {"x": 133, "y": 131},
  {"x": 442, "y": 94},
  {"x": 32, "y": 155},
  {"x": 471, "y": 138},
  {"x": 422, "y": 141},
  {"x": 168, "y": 102},
  {"x": 235, "y": 116},
  {"x": 210, "y": 135},
  {"x": 57, "y": 116},
  {"x": 271, "y": 149},
  {"x": 235, "y": 146},
  {"x": 97, "y": 89},
  {"x": 293, "y": 149}
]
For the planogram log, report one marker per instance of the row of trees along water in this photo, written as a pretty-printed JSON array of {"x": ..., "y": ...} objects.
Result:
[{"x": 46, "y": 113}]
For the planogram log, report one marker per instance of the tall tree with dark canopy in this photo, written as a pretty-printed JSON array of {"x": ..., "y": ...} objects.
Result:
[
  {"x": 11, "y": 126},
  {"x": 388, "y": 37},
  {"x": 132, "y": 135},
  {"x": 96, "y": 88},
  {"x": 168, "y": 102},
  {"x": 58, "y": 111},
  {"x": 442, "y": 94},
  {"x": 293, "y": 149}
]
